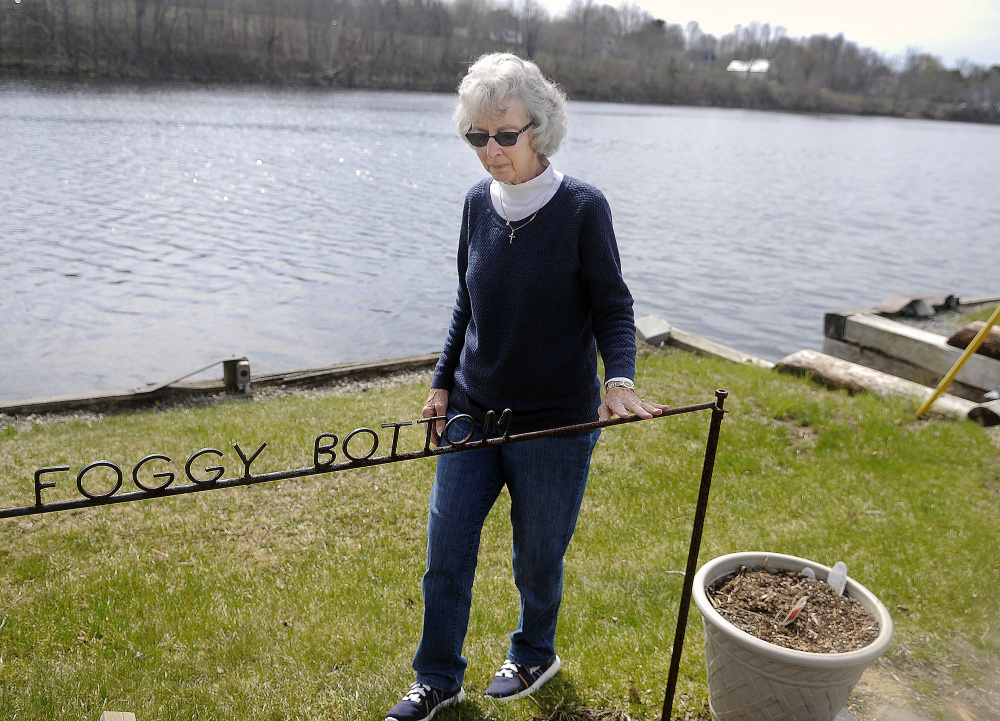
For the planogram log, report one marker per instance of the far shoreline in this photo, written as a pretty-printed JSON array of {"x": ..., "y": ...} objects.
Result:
[{"x": 828, "y": 103}]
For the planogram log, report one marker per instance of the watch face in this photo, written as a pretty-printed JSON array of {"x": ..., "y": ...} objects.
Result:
[{"x": 621, "y": 384}]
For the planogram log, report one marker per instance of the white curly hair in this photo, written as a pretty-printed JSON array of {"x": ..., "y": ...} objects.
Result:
[{"x": 495, "y": 77}]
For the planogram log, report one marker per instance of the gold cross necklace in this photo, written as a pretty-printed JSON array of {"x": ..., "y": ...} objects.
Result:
[{"x": 504, "y": 210}]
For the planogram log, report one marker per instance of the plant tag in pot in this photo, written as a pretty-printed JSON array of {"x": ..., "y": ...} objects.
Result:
[
  {"x": 838, "y": 577},
  {"x": 794, "y": 613}
]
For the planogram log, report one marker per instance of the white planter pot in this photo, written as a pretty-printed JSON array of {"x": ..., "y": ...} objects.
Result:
[{"x": 753, "y": 680}]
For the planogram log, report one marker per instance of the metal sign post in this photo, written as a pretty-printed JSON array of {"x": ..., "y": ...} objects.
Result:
[{"x": 718, "y": 412}]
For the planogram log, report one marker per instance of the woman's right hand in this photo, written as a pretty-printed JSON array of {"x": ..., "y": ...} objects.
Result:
[{"x": 436, "y": 405}]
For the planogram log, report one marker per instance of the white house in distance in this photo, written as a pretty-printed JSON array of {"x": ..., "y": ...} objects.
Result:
[{"x": 760, "y": 65}]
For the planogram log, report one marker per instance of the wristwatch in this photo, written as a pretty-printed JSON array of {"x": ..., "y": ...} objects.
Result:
[{"x": 620, "y": 383}]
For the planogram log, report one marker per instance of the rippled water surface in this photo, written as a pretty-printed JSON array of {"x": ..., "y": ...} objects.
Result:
[{"x": 146, "y": 233}]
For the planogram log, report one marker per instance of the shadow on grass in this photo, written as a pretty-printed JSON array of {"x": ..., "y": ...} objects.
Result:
[{"x": 558, "y": 700}]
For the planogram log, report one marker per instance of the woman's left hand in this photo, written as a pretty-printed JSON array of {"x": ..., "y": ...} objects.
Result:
[{"x": 622, "y": 402}]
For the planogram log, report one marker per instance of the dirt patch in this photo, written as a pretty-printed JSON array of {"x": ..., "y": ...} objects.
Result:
[
  {"x": 802, "y": 437},
  {"x": 791, "y": 610},
  {"x": 967, "y": 688}
]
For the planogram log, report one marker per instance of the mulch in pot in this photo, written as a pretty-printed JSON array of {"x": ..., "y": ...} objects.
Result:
[{"x": 758, "y": 600}]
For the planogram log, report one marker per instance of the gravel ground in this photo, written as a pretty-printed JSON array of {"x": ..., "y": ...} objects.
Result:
[{"x": 945, "y": 322}]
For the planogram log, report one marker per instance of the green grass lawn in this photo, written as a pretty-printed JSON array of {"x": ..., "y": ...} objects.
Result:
[{"x": 301, "y": 599}]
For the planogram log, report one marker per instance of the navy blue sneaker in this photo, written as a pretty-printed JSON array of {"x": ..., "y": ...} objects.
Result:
[
  {"x": 421, "y": 702},
  {"x": 513, "y": 681}
]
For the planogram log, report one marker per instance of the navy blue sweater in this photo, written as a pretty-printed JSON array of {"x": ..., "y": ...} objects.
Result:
[{"x": 531, "y": 315}]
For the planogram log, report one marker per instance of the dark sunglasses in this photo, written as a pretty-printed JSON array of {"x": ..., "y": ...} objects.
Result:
[{"x": 506, "y": 138}]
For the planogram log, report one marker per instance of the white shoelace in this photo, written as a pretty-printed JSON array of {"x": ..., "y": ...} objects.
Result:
[
  {"x": 417, "y": 693},
  {"x": 508, "y": 670}
]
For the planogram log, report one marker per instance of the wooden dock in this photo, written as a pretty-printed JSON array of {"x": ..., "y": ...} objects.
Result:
[{"x": 873, "y": 339}]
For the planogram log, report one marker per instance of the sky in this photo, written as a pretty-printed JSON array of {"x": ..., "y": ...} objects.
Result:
[{"x": 948, "y": 29}]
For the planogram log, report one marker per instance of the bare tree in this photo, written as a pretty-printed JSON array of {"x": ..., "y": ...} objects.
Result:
[
  {"x": 532, "y": 15},
  {"x": 65, "y": 7},
  {"x": 139, "y": 8},
  {"x": 580, "y": 14},
  {"x": 54, "y": 33},
  {"x": 632, "y": 18},
  {"x": 694, "y": 35}
]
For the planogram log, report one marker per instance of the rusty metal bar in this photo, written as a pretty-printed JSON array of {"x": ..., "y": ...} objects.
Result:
[
  {"x": 91, "y": 500},
  {"x": 711, "y": 448}
]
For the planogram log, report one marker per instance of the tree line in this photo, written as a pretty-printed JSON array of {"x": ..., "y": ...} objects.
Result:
[{"x": 595, "y": 51}]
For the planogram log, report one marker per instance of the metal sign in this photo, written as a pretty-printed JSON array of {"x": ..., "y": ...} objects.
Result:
[
  {"x": 153, "y": 481},
  {"x": 204, "y": 468}
]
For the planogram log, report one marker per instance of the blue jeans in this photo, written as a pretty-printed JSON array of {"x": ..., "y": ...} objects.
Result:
[{"x": 546, "y": 479}]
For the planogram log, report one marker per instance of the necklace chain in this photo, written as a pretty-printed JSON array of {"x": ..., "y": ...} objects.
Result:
[{"x": 504, "y": 211}]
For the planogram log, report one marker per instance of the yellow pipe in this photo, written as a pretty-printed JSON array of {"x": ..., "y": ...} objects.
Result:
[{"x": 950, "y": 375}]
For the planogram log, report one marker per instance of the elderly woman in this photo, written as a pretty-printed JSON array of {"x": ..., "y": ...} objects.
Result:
[{"x": 540, "y": 292}]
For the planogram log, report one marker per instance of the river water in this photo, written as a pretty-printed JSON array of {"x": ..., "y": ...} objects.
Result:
[{"x": 145, "y": 233}]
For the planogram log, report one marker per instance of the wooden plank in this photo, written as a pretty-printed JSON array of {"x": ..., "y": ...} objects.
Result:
[
  {"x": 839, "y": 373},
  {"x": 347, "y": 370},
  {"x": 310, "y": 376},
  {"x": 117, "y": 716},
  {"x": 60, "y": 403},
  {"x": 835, "y": 321},
  {"x": 921, "y": 348},
  {"x": 696, "y": 344},
  {"x": 894, "y": 366},
  {"x": 990, "y": 345},
  {"x": 979, "y": 299},
  {"x": 108, "y": 399}
]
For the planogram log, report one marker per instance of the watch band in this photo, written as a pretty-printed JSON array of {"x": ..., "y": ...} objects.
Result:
[{"x": 621, "y": 383}]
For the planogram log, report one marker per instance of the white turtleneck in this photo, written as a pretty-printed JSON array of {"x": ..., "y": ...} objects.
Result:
[{"x": 524, "y": 199}]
